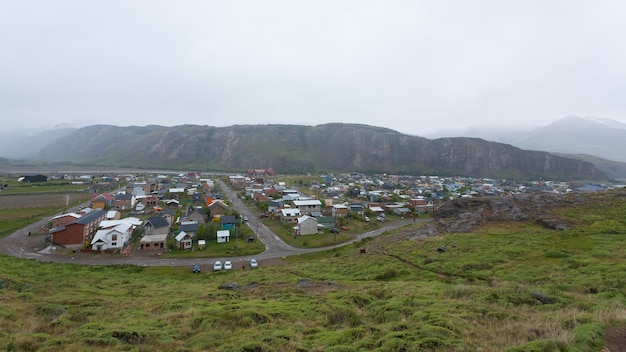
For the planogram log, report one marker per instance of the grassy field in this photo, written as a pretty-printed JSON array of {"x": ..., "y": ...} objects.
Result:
[
  {"x": 513, "y": 286},
  {"x": 24, "y": 204},
  {"x": 285, "y": 232}
]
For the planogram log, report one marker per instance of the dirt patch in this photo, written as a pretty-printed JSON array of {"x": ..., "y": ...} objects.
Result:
[
  {"x": 315, "y": 287},
  {"x": 273, "y": 262},
  {"x": 615, "y": 339}
]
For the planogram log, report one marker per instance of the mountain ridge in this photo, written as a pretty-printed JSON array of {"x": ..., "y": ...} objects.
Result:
[{"x": 300, "y": 149}]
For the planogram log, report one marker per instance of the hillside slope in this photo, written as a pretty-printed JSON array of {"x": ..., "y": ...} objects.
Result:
[
  {"x": 298, "y": 149},
  {"x": 514, "y": 283}
]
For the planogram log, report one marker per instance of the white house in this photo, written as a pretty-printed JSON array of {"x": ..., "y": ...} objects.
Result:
[
  {"x": 184, "y": 240},
  {"x": 307, "y": 225},
  {"x": 111, "y": 239},
  {"x": 109, "y": 224},
  {"x": 223, "y": 236},
  {"x": 308, "y": 206}
]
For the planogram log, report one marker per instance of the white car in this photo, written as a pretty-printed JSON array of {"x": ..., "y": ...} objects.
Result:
[
  {"x": 217, "y": 266},
  {"x": 228, "y": 265},
  {"x": 253, "y": 263}
]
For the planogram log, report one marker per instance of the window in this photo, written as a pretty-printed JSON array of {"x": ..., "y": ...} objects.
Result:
[{"x": 113, "y": 237}]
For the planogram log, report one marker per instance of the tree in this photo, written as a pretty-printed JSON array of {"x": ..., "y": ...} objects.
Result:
[{"x": 207, "y": 231}]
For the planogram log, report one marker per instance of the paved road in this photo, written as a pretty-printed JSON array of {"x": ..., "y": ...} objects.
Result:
[{"x": 20, "y": 245}]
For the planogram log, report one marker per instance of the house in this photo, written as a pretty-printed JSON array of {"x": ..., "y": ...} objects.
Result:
[
  {"x": 169, "y": 215},
  {"x": 113, "y": 215},
  {"x": 228, "y": 222},
  {"x": 184, "y": 241},
  {"x": 147, "y": 200},
  {"x": 140, "y": 207},
  {"x": 307, "y": 225},
  {"x": 207, "y": 186},
  {"x": 153, "y": 242},
  {"x": 172, "y": 203},
  {"x": 156, "y": 224},
  {"x": 79, "y": 231},
  {"x": 112, "y": 239},
  {"x": 190, "y": 227},
  {"x": 275, "y": 204},
  {"x": 356, "y": 207},
  {"x": 402, "y": 211},
  {"x": 223, "y": 236},
  {"x": 197, "y": 198},
  {"x": 327, "y": 222},
  {"x": 377, "y": 209},
  {"x": 33, "y": 178},
  {"x": 138, "y": 189},
  {"x": 102, "y": 201},
  {"x": 124, "y": 201},
  {"x": 422, "y": 205},
  {"x": 289, "y": 215},
  {"x": 176, "y": 190},
  {"x": 308, "y": 206},
  {"x": 64, "y": 219},
  {"x": 196, "y": 214},
  {"x": 109, "y": 224},
  {"x": 217, "y": 208},
  {"x": 340, "y": 210}
]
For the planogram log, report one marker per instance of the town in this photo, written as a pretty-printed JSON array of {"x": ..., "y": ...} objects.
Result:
[{"x": 165, "y": 212}]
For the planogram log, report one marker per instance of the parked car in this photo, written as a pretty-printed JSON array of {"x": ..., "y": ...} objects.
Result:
[
  {"x": 334, "y": 230},
  {"x": 217, "y": 266},
  {"x": 380, "y": 218},
  {"x": 228, "y": 265},
  {"x": 253, "y": 263},
  {"x": 245, "y": 218},
  {"x": 196, "y": 268}
]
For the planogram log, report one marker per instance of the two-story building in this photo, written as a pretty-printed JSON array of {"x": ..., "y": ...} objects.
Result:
[
  {"x": 308, "y": 206},
  {"x": 289, "y": 215},
  {"x": 79, "y": 231}
]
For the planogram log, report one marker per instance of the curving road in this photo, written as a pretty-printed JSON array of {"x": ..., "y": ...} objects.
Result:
[{"x": 20, "y": 244}]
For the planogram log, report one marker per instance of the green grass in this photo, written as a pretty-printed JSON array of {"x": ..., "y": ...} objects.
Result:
[
  {"x": 508, "y": 287},
  {"x": 327, "y": 238}
]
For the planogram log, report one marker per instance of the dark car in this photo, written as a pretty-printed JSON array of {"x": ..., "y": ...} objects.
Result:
[
  {"x": 334, "y": 230},
  {"x": 196, "y": 268}
]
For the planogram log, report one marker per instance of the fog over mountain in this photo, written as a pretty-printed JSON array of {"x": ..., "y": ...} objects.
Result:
[
  {"x": 26, "y": 143},
  {"x": 600, "y": 137}
]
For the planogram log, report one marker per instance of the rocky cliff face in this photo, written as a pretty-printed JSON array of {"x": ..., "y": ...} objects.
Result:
[{"x": 296, "y": 149}]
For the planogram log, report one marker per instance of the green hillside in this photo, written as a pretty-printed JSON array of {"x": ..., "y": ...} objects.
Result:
[{"x": 510, "y": 286}]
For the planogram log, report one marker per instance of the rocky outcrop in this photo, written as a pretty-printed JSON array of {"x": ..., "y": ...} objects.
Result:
[{"x": 465, "y": 214}]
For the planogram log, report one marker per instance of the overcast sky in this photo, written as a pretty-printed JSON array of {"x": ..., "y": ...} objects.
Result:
[{"x": 412, "y": 66}]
